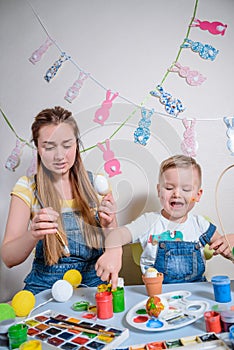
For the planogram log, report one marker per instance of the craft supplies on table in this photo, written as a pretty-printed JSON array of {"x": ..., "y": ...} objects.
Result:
[
  {"x": 207, "y": 341},
  {"x": 179, "y": 312},
  {"x": 62, "y": 331}
]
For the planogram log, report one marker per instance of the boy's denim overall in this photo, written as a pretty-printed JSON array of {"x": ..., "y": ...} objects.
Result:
[
  {"x": 82, "y": 258},
  {"x": 182, "y": 262}
]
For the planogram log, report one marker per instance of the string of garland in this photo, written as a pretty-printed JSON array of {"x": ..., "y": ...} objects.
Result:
[{"x": 137, "y": 106}]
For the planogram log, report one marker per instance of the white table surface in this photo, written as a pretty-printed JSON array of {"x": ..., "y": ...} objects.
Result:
[{"x": 134, "y": 295}]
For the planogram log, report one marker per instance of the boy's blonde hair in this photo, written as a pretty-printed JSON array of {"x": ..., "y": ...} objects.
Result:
[{"x": 180, "y": 161}]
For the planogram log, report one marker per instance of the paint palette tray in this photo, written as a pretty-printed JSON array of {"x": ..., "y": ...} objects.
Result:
[
  {"x": 207, "y": 341},
  {"x": 178, "y": 312},
  {"x": 60, "y": 331}
]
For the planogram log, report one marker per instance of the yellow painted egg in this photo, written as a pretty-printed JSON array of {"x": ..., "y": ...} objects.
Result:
[
  {"x": 74, "y": 277},
  {"x": 23, "y": 302},
  {"x": 208, "y": 253}
]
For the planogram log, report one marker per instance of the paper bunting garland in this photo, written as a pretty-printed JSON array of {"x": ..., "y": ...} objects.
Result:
[
  {"x": 142, "y": 133},
  {"x": 230, "y": 133},
  {"x": 52, "y": 71},
  {"x": 102, "y": 113},
  {"x": 74, "y": 90},
  {"x": 213, "y": 27},
  {"x": 37, "y": 54},
  {"x": 189, "y": 145},
  {"x": 13, "y": 160},
  {"x": 205, "y": 51},
  {"x": 173, "y": 106},
  {"x": 192, "y": 77},
  {"x": 112, "y": 165}
]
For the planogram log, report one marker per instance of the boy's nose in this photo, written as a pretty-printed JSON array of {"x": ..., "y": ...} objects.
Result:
[{"x": 176, "y": 192}]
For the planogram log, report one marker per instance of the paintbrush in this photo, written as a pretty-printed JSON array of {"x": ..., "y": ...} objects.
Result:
[
  {"x": 58, "y": 234},
  {"x": 83, "y": 329}
]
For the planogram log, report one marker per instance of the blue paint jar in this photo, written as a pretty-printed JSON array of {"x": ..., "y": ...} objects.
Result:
[{"x": 222, "y": 288}]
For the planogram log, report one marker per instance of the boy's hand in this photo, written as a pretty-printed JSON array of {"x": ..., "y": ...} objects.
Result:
[
  {"x": 222, "y": 246},
  {"x": 109, "y": 265}
]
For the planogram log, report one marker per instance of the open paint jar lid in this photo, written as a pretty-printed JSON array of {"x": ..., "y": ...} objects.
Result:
[{"x": 227, "y": 316}]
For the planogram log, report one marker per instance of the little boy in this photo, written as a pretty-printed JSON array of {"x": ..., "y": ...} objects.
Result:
[{"x": 172, "y": 240}]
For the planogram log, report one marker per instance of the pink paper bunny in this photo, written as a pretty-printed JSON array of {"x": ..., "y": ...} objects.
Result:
[
  {"x": 112, "y": 165},
  {"x": 192, "y": 77},
  {"x": 32, "y": 169},
  {"x": 74, "y": 90},
  {"x": 37, "y": 54},
  {"x": 14, "y": 159},
  {"x": 213, "y": 27},
  {"x": 189, "y": 145},
  {"x": 103, "y": 112}
]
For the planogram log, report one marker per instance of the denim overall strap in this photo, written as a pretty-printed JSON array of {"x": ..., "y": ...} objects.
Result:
[
  {"x": 82, "y": 258},
  {"x": 180, "y": 262},
  {"x": 206, "y": 237}
]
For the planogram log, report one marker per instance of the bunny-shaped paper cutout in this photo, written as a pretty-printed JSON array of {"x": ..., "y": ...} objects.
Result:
[
  {"x": 142, "y": 133},
  {"x": 74, "y": 90},
  {"x": 112, "y": 165},
  {"x": 32, "y": 169},
  {"x": 173, "y": 106},
  {"x": 213, "y": 27},
  {"x": 189, "y": 145},
  {"x": 192, "y": 77},
  {"x": 205, "y": 51},
  {"x": 102, "y": 113},
  {"x": 230, "y": 134},
  {"x": 37, "y": 54},
  {"x": 13, "y": 160},
  {"x": 52, "y": 71}
]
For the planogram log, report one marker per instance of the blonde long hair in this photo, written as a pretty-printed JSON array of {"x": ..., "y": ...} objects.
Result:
[{"x": 82, "y": 189}]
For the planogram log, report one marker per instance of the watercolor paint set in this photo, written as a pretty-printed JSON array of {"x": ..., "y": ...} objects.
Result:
[
  {"x": 178, "y": 312},
  {"x": 56, "y": 330},
  {"x": 207, "y": 341}
]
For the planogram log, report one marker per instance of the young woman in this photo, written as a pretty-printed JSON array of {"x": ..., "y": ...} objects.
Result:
[{"x": 57, "y": 212}]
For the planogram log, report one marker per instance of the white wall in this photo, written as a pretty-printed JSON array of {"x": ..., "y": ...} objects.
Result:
[{"x": 127, "y": 46}]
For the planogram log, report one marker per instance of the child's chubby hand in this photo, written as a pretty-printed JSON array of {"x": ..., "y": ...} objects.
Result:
[
  {"x": 44, "y": 223},
  {"x": 109, "y": 264},
  {"x": 107, "y": 211},
  {"x": 221, "y": 246}
]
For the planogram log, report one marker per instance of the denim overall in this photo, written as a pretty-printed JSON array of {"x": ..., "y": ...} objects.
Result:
[
  {"x": 182, "y": 262},
  {"x": 81, "y": 258}
]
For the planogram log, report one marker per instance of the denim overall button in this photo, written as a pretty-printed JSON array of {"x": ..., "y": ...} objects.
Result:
[{"x": 162, "y": 245}]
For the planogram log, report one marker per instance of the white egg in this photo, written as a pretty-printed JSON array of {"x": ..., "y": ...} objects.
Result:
[
  {"x": 62, "y": 291},
  {"x": 101, "y": 185}
]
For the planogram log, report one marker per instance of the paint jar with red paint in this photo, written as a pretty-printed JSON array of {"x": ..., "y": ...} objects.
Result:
[
  {"x": 104, "y": 305},
  {"x": 213, "y": 322}
]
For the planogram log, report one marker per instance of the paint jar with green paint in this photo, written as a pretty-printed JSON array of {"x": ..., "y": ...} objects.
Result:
[
  {"x": 17, "y": 335},
  {"x": 118, "y": 299}
]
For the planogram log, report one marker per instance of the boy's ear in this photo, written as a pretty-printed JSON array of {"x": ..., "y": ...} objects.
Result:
[{"x": 199, "y": 194}]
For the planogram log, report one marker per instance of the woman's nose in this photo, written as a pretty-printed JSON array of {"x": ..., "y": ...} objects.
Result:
[{"x": 59, "y": 153}]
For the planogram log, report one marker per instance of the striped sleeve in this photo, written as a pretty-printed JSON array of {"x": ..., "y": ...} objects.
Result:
[{"x": 24, "y": 189}]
